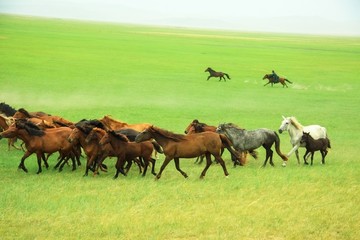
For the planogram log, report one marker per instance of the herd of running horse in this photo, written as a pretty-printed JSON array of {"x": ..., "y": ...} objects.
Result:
[{"x": 98, "y": 139}]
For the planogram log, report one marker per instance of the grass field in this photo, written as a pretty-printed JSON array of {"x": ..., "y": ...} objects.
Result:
[{"x": 149, "y": 74}]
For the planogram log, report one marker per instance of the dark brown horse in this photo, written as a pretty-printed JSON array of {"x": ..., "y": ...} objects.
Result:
[
  {"x": 195, "y": 127},
  {"x": 176, "y": 146},
  {"x": 214, "y": 73},
  {"x": 273, "y": 81},
  {"x": 312, "y": 145},
  {"x": 112, "y": 124},
  {"x": 39, "y": 141},
  {"x": 128, "y": 151}
]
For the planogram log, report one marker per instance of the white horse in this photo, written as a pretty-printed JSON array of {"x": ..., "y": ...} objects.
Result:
[{"x": 296, "y": 130}]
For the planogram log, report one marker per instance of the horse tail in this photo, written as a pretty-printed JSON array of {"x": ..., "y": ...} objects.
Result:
[
  {"x": 277, "y": 147},
  {"x": 227, "y": 75},
  {"x": 287, "y": 80},
  {"x": 328, "y": 144},
  {"x": 253, "y": 153},
  {"x": 157, "y": 147},
  {"x": 227, "y": 143}
]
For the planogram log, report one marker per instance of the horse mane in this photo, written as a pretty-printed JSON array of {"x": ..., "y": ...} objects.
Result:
[
  {"x": 30, "y": 127},
  {"x": 233, "y": 125},
  {"x": 112, "y": 119},
  {"x": 7, "y": 109},
  {"x": 168, "y": 134},
  {"x": 119, "y": 136},
  {"x": 296, "y": 123},
  {"x": 87, "y": 125},
  {"x": 26, "y": 113}
]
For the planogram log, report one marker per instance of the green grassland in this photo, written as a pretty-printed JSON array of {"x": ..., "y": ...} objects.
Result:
[{"x": 150, "y": 74}]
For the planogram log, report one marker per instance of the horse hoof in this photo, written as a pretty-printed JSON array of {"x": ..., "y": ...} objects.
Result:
[{"x": 283, "y": 164}]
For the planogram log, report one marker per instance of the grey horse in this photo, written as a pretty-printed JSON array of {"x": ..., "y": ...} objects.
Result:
[{"x": 244, "y": 140}]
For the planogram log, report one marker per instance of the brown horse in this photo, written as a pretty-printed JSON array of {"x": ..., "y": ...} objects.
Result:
[
  {"x": 195, "y": 127},
  {"x": 127, "y": 151},
  {"x": 48, "y": 120},
  {"x": 5, "y": 122},
  {"x": 176, "y": 146},
  {"x": 39, "y": 141},
  {"x": 92, "y": 149},
  {"x": 112, "y": 124},
  {"x": 273, "y": 81},
  {"x": 214, "y": 73},
  {"x": 106, "y": 150}
]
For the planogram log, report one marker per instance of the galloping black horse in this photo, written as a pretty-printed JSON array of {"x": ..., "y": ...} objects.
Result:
[{"x": 213, "y": 73}]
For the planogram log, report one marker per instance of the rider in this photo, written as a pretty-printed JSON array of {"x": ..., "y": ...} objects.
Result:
[{"x": 275, "y": 76}]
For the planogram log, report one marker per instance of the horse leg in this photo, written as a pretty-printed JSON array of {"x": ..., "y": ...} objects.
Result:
[
  {"x": 222, "y": 163},
  {"x": 73, "y": 160},
  {"x": 138, "y": 162},
  {"x": 89, "y": 162},
  {"x": 166, "y": 162},
  {"x": 266, "y": 158},
  {"x": 297, "y": 156},
  {"x": 39, "y": 158},
  {"x": 208, "y": 163},
  {"x": 58, "y": 163},
  {"x": 146, "y": 164},
  {"x": 305, "y": 156},
  {"x": 22, "y": 164},
  {"x": 312, "y": 157},
  {"x": 208, "y": 77},
  {"x": 128, "y": 165},
  {"x": 325, "y": 153},
  {"x": 266, "y": 83},
  {"x": 177, "y": 165},
  {"x": 153, "y": 161},
  {"x": 120, "y": 167},
  {"x": 271, "y": 152}
]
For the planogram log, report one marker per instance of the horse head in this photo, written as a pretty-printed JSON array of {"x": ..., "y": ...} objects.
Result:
[
  {"x": 284, "y": 126},
  {"x": 305, "y": 137},
  {"x": 144, "y": 135}
]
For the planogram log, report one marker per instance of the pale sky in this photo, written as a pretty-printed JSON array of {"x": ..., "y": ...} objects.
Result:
[{"x": 294, "y": 16}]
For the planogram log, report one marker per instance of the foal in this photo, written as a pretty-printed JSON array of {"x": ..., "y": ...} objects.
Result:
[{"x": 312, "y": 145}]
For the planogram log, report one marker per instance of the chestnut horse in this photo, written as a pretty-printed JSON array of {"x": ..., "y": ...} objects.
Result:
[
  {"x": 39, "y": 141},
  {"x": 273, "y": 81},
  {"x": 106, "y": 150},
  {"x": 112, "y": 124},
  {"x": 214, "y": 73},
  {"x": 176, "y": 146},
  {"x": 50, "y": 120},
  {"x": 197, "y": 127},
  {"x": 127, "y": 151},
  {"x": 91, "y": 149},
  {"x": 5, "y": 122}
]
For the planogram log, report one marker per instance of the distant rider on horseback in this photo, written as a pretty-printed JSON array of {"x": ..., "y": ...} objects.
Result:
[{"x": 275, "y": 77}]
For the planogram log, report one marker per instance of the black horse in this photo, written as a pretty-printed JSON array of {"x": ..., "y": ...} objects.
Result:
[{"x": 213, "y": 73}]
